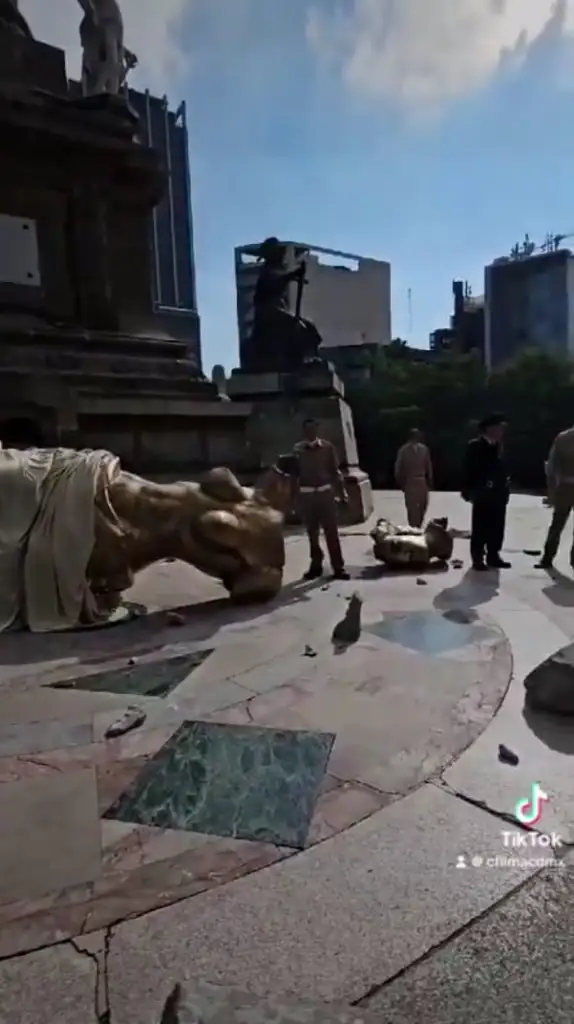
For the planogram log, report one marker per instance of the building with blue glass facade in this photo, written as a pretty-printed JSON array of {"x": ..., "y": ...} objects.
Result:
[
  {"x": 171, "y": 228},
  {"x": 529, "y": 303}
]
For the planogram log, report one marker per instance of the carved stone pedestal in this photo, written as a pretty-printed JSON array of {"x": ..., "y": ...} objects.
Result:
[{"x": 281, "y": 404}]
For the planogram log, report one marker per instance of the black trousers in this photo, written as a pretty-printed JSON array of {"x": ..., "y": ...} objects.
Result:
[{"x": 487, "y": 529}]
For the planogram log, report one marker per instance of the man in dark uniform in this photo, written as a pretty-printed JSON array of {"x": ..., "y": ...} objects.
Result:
[
  {"x": 318, "y": 484},
  {"x": 281, "y": 340},
  {"x": 486, "y": 486}
]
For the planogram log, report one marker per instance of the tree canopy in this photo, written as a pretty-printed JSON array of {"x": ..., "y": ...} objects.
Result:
[{"x": 446, "y": 395}]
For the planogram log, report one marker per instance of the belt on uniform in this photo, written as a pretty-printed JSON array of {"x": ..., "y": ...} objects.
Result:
[{"x": 315, "y": 490}]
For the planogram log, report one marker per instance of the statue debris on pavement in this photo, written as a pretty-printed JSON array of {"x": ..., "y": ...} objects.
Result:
[
  {"x": 106, "y": 61},
  {"x": 281, "y": 340},
  {"x": 216, "y": 525},
  {"x": 75, "y": 529},
  {"x": 411, "y": 548}
]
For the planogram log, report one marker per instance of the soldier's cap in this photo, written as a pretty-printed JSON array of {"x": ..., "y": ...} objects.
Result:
[
  {"x": 268, "y": 247},
  {"x": 495, "y": 419}
]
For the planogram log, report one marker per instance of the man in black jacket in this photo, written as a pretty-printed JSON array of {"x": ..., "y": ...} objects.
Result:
[{"x": 486, "y": 486}]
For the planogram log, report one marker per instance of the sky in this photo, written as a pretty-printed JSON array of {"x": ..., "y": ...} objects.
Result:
[{"x": 428, "y": 133}]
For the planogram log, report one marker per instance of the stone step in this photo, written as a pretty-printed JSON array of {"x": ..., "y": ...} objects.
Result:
[
  {"x": 96, "y": 341},
  {"x": 114, "y": 384},
  {"x": 62, "y": 361}
]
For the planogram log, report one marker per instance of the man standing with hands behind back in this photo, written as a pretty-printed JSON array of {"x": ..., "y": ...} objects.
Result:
[
  {"x": 487, "y": 487},
  {"x": 414, "y": 476},
  {"x": 318, "y": 484}
]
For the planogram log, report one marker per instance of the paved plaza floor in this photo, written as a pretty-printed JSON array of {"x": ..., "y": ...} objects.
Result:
[{"x": 295, "y": 831}]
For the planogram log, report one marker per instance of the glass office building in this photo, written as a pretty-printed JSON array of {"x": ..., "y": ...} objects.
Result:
[
  {"x": 529, "y": 302},
  {"x": 171, "y": 228}
]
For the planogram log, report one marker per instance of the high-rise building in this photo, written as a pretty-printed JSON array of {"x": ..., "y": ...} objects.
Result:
[
  {"x": 529, "y": 302},
  {"x": 171, "y": 225},
  {"x": 171, "y": 228},
  {"x": 465, "y": 333},
  {"x": 348, "y": 298}
]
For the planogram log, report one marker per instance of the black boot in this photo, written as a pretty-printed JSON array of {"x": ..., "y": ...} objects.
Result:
[
  {"x": 314, "y": 572},
  {"x": 496, "y": 562},
  {"x": 341, "y": 574}
]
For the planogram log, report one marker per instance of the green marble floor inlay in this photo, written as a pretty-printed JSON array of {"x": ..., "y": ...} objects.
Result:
[
  {"x": 148, "y": 679},
  {"x": 231, "y": 780}
]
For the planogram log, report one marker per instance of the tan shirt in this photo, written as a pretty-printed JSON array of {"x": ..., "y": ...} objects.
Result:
[
  {"x": 560, "y": 465},
  {"x": 317, "y": 464},
  {"x": 413, "y": 464}
]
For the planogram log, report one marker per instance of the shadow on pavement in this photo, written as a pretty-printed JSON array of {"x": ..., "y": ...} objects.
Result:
[
  {"x": 561, "y": 590},
  {"x": 555, "y": 731},
  {"x": 473, "y": 589},
  {"x": 184, "y": 624},
  {"x": 380, "y": 571}
]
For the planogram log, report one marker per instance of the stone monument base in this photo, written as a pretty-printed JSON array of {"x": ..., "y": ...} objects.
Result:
[
  {"x": 281, "y": 402},
  {"x": 86, "y": 360},
  {"x": 139, "y": 398}
]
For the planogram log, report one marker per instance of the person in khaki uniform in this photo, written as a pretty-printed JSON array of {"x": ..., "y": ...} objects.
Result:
[
  {"x": 317, "y": 486},
  {"x": 560, "y": 479},
  {"x": 414, "y": 476}
]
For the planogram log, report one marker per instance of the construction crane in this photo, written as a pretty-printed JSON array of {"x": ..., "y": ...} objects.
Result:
[{"x": 527, "y": 247}]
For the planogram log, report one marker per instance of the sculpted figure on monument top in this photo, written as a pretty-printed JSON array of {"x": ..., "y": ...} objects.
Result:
[
  {"x": 281, "y": 340},
  {"x": 105, "y": 60}
]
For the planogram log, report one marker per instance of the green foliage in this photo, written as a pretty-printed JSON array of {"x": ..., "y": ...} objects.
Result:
[{"x": 446, "y": 396}]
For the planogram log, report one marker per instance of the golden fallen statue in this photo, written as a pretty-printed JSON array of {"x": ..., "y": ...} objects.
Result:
[
  {"x": 75, "y": 528},
  {"x": 411, "y": 548}
]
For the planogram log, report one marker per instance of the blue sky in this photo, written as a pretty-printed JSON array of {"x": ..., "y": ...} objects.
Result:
[
  {"x": 281, "y": 145},
  {"x": 428, "y": 134}
]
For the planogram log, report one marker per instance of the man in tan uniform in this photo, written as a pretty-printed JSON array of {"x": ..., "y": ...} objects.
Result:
[
  {"x": 318, "y": 483},
  {"x": 414, "y": 476},
  {"x": 560, "y": 478}
]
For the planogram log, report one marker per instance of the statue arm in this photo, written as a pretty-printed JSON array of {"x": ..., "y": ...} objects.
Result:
[{"x": 292, "y": 275}]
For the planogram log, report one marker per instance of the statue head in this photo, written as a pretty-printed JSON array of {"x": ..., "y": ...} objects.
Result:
[{"x": 272, "y": 251}]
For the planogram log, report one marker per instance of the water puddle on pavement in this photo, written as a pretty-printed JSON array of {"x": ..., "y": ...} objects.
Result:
[{"x": 432, "y": 633}]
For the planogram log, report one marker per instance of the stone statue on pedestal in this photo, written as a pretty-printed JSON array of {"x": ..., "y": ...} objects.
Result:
[
  {"x": 106, "y": 62},
  {"x": 12, "y": 20},
  {"x": 281, "y": 340}
]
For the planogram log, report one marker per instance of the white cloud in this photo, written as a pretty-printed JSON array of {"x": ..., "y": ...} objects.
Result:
[
  {"x": 150, "y": 27},
  {"x": 424, "y": 54}
]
